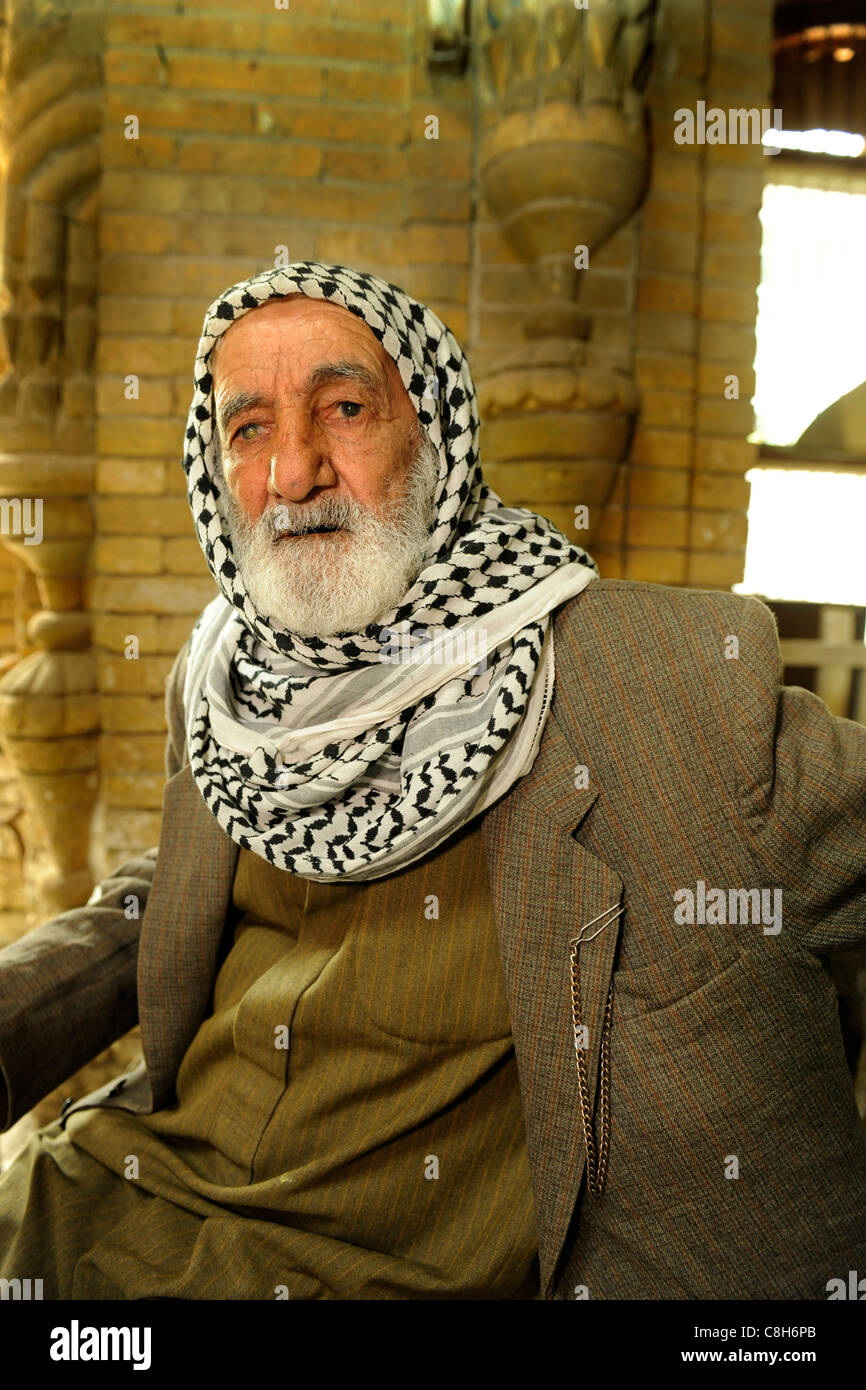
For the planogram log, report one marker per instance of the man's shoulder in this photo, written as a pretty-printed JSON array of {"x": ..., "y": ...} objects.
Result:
[
  {"x": 628, "y": 612},
  {"x": 177, "y": 675},
  {"x": 211, "y": 616},
  {"x": 685, "y": 604},
  {"x": 175, "y": 718},
  {"x": 658, "y": 656}
]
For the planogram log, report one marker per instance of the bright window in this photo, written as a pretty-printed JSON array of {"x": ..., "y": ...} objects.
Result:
[
  {"x": 805, "y": 527},
  {"x": 806, "y": 536},
  {"x": 811, "y": 347}
]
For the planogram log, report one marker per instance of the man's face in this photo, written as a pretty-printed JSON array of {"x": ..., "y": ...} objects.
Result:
[{"x": 329, "y": 477}]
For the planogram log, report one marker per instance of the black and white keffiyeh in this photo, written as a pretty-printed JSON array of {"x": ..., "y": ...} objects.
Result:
[{"x": 346, "y": 757}]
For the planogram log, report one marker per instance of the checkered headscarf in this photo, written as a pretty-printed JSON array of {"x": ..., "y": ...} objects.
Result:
[{"x": 446, "y": 740}]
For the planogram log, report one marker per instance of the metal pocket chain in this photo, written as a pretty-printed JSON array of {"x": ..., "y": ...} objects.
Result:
[{"x": 596, "y": 1159}]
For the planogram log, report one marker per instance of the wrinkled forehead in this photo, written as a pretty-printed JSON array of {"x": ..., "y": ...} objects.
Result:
[{"x": 323, "y": 309}]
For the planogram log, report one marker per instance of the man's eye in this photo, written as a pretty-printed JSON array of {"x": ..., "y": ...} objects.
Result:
[
  {"x": 353, "y": 405},
  {"x": 250, "y": 425}
]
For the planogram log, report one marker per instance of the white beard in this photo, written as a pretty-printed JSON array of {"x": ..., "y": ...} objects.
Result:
[{"x": 320, "y": 585}]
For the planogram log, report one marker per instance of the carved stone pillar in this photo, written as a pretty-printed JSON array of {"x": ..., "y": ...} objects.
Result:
[
  {"x": 49, "y": 708},
  {"x": 563, "y": 164}
]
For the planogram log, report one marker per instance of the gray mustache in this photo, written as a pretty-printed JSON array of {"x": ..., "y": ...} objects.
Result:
[{"x": 328, "y": 515}]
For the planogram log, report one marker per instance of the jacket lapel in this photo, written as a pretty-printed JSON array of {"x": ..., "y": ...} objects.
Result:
[
  {"x": 182, "y": 929},
  {"x": 546, "y": 886}
]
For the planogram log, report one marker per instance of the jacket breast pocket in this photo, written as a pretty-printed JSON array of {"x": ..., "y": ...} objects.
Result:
[{"x": 679, "y": 973}]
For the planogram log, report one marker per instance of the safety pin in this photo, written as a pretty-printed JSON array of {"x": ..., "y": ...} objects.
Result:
[{"x": 581, "y": 940}]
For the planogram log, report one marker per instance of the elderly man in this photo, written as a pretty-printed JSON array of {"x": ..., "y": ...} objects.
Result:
[{"x": 458, "y": 975}]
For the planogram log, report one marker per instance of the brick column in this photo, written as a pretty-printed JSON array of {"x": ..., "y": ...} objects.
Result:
[{"x": 680, "y": 513}]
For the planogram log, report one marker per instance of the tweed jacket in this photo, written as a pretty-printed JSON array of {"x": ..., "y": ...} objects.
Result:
[{"x": 673, "y": 766}]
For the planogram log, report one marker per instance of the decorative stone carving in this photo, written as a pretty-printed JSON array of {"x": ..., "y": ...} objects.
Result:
[
  {"x": 557, "y": 417},
  {"x": 563, "y": 164}
]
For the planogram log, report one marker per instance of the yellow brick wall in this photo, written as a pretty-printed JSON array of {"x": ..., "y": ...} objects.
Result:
[{"x": 680, "y": 517}]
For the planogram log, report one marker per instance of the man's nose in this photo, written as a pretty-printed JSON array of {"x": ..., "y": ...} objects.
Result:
[{"x": 298, "y": 463}]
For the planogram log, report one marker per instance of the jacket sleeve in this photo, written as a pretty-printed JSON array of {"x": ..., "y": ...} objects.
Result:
[
  {"x": 68, "y": 987},
  {"x": 802, "y": 775}
]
